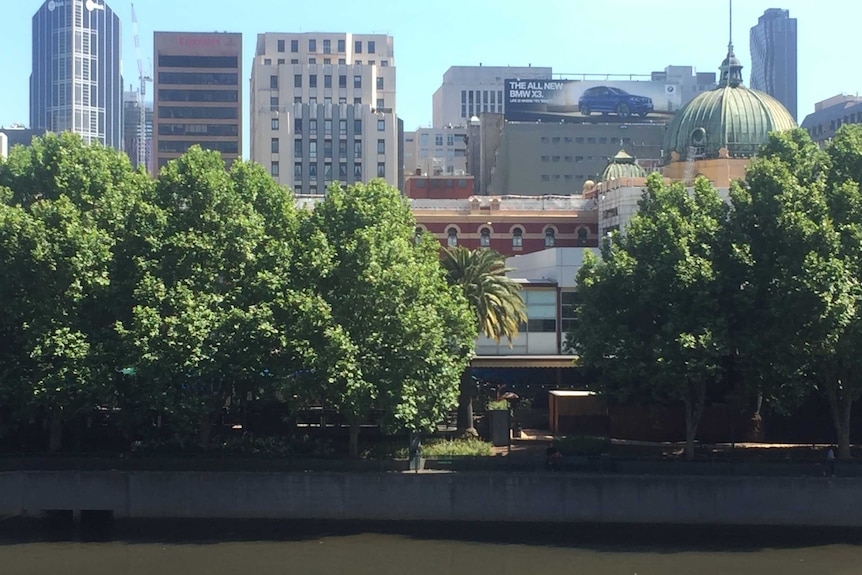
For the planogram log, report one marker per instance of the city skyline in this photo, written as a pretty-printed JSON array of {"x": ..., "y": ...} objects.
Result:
[{"x": 483, "y": 32}]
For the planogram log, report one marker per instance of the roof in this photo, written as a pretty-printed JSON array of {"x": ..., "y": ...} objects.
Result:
[
  {"x": 622, "y": 165},
  {"x": 564, "y": 361}
]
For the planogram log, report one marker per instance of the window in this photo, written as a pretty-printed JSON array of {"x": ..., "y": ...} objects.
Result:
[
  {"x": 327, "y": 148},
  {"x": 297, "y": 125},
  {"x": 381, "y": 125},
  {"x": 327, "y": 81},
  {"x": 342, "y": 61},
  {"x": 485, "y": 238},
  {"x": 297, "y": 148},
  {"x": 384, "y": 63},
  {"x": 312, "y": 81},
  {"x": 294, "y": 46},
  {"x": 357, "y": 81},
  {"x": 312, "y": 45},
  {"x": 381, "y": 146},
  {"x": 357, "y": 101},
  {"x": 342, "y": 171},
  {"x": 342, "y": 81},
  {"x": 297, "y": 99},
  {"x": 273, "y": 103},
  {"x": 371, "y": 47},
  {"x": 312, "y": 150},
  {"x": 450, "y": 139},
  {"x": 570, "y": 301},
  {"x": 438, "y": 139},
  {"x": 312, "y": 126},
  {"x": 312, "y": 60},
  {"x": 582, "y": 236},
  {"x": 380, "y": 104},
  {"x": 312, "y": 171},
  {"x": 357, "y": 127},
  {"x": 281, "y": 61},
  {"x": 273, "y": 145},
  {"x": 452, "y": 238},
  {"x": 357, "y": 47},
  {"x": 357, "y": 149},
  {"x": 327, "y": 46},
  {"x": 550, "y": 236},
  {"x": 357, "y": 171},
  {"x": 342, "y": 150},
  {"x": 327, "y": 127},
  {"x": 517, "y": 238},
  {"x": 294, "y": 60},
  {"x": 327, "y": 172},
  {"x": 342, "y": 100},
  {"x": 555, "y": 159},
  {"x": 281, "y": 45},
  {"x": 274, "y": 124},
  {"x": 381, "y": 169},
  {"x": 541, "y": 310},
  {"x": 379, "y": 82},
  {"x": 273, "y": 82},
  {"x": 273, "y": 169},
  {"x": 297, "y": 80},
  {"x": 267, "y": 61},
  {"x": 546, "y": 158},
  {"x": 371, "y": 62},
  {"x": 341, "y": 45},
  {"x": 342, "y": 127},
  {"x": 297, "y": 170}
]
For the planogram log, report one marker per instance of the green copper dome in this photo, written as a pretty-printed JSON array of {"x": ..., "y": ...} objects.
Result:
[
  {"x": 731, "y": 116},
  {"x": 622, "y": 166}
]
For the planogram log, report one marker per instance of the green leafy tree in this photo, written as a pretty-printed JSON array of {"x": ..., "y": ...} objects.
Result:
[
  {"x": 651, "y": 318},
  {"x": 405, "y": 333},
  {"x": 497, "y": 306}
]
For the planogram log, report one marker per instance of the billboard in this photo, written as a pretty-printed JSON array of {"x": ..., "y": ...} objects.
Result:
[{"x": 576, "y": 100}]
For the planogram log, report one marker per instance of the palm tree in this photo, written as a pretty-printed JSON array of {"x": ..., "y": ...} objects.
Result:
[{"x": 496, "y": 300}]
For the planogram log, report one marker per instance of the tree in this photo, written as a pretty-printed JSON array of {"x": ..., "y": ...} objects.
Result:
[
  {"x": 406, "y": 334},
  {"x": 497, "y": 306},
  {"x": 797, "y": 224},
  {"x": 651, "y": 319},
  {"x": 63, "y": 220}
]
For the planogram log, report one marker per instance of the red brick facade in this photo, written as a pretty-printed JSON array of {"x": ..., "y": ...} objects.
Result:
[{"x": 439, "y": 187}]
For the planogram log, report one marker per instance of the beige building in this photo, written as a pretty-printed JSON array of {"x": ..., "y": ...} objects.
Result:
[
  {"x": 323, "y": 109},
  {"x": 197, "y": 96},
  {"x": 436, "y": 151}
]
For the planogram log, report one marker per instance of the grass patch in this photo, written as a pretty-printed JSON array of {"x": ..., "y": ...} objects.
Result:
[{"x": 456, "y": 448}]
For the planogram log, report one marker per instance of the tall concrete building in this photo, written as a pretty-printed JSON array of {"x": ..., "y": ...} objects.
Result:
[
  {"x": 436, "y": 151},
  {"x": 773, "y": 57},
  {"x": 138, "y": 136},
  {"x": 197, "y": 96},
  {"x": 830, "y": 114},
  {"x": 323, "y": 109},
  {"x": 76, "y": 84},
  {"x": 469, "y": 91}
]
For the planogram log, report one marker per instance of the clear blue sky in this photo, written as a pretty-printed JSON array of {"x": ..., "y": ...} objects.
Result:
[{"x": 577, "y": 36}]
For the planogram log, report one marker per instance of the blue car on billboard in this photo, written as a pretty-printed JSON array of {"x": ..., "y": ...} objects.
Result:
[{"x": 611, "y": 100}]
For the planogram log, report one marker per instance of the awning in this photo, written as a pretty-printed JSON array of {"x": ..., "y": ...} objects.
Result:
[{"x": 564, "y": 361}]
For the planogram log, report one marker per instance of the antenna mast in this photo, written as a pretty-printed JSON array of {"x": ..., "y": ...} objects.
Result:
[{"x": 142, "y": 91}]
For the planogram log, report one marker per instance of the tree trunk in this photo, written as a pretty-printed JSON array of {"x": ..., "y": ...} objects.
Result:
[
  {"x": 465, "y": 403},
  {"x": 840, "y": 405},
  {"x": 353, "y": 446},
  {"x": 694, "y": 399},
  {"x": 55, "y": 431}
]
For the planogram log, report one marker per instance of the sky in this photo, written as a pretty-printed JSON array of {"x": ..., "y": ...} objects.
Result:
[{"x": 571, "y": 36}]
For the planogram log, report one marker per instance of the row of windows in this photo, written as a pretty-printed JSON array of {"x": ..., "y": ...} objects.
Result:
[
  {"x": 167, "y": 61},
  {"x": 196, "y": 129},
  {"x": 198, "y": 113},
  {"x": 327, "y": 46},
  {"x": 274, "y": 102},
  {"x": 199, "y": 95},
  {"x": 582, "y": 140},
  {"x": 327, "y": 148},
  {"x": 517, "y": 237},
  {"x": 564, "y": 177},
  {"x": 327, "y": 126},
  {"x": 327, "y": 170},
  {"x": 326, "y": 61},
  {"x": 200, "y": 78},
  {"x": 475, "y": 102},
  {"x": 327, "y": 81},
  {"x": 425, "y": 139},
  {"x": 181, "y": 146}
]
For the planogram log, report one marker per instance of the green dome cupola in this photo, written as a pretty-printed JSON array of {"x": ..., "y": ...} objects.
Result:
[
  {"x": 730, "y": 119},
  {"x": 622, "y": 166}
]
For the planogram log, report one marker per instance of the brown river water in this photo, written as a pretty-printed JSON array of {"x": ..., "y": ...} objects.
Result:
[{"x": 214, "y": 548}]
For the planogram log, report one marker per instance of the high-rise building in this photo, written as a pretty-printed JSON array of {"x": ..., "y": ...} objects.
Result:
[
  {"x": 137, "y": 136},
  {"x": 436, "y": 151},
  {"x": 76, "y": 83},
  {"x": 323, "y": 109},
  {"x": 773, "y": 57},
  {"x": 197, "y": 95},
  {"x": 469, "y": 91}
]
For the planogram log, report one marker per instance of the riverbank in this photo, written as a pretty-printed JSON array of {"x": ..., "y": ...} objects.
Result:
[{"x": 536, "y": 497}]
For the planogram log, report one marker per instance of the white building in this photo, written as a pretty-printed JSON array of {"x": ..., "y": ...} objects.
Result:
[
  {"x": 469, "y": 91},
  {"x": 323, "y": 109},
  {"x": 436, "y": 151}
]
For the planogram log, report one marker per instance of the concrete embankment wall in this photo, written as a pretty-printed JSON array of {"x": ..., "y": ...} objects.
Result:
[{"x": 522, "y": 497}]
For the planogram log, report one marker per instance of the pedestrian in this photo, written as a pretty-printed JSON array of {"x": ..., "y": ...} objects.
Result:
[
  {"x": 553, "y": 457},
  {"x": 830, "y": 460}
]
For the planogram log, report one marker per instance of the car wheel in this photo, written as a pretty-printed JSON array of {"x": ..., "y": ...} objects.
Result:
[
  {"x": 585, "y": 110},
  {"x": 623, "y": 111}
]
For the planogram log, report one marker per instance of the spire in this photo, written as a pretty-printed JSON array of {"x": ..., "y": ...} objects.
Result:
[{"x": 731, "y": 68}]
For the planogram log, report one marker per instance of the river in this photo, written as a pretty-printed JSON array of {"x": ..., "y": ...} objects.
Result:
[{"x": 262, "y": 548}]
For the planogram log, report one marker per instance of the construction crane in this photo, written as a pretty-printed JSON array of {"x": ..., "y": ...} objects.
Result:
[{"x": 142, "y": 91}]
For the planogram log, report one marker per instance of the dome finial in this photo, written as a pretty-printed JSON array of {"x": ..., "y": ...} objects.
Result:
[{"x": 731, "y": 68}]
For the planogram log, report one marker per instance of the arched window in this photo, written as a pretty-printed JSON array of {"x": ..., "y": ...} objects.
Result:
[
  {"x": 452, "y": 238},
  {"x": 549, "y": 238},
  {"x": 485, "y": 238},
  {"x": 582, "y": 236},
  {"x": 517, "y": 238}
]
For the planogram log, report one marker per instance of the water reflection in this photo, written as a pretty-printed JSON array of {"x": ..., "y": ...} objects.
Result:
[{"x": 264, "y": 547}]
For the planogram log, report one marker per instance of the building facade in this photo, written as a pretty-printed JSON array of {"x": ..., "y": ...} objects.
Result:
[
  {"x": 469, "y": 91},
  {"x": 137, "y": 136},
  {"x": 437, "y": 151},
  {"x": 686, "y": 79},
  {"x": 773, "y": 57},
  {"x": 323, "y": 109},
  {"x": 76, "y": 83},
  {"x": 197, "y": 95},
  {"x": 831, "y": 114}
]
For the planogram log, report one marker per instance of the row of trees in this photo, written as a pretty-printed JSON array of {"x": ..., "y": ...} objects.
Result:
[
  {"x": 759, "y": 297},
  {"x": 203, "y": 287}
]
